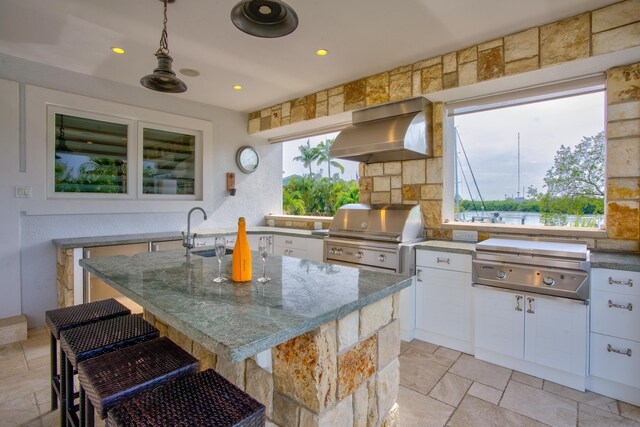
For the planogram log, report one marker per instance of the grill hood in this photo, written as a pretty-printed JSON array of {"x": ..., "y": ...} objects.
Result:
[{"x": 388, "y": 132}]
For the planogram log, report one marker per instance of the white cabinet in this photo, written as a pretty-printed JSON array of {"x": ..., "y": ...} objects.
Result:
[
  {"x": 255, "y": 238},
  {"x": 614, "y": 367},
  {"x": 444, "y": 308},
  {"x": 536, "y": 334},
  {"x": 298, "y": 247}
]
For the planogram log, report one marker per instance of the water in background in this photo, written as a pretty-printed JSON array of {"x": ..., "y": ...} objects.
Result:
[{"x": 519, "y": 218}]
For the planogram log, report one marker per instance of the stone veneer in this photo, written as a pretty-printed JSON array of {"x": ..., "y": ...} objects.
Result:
[
  {"x": 343, "y": 373},
  {"x": 64, "y": 277},
  {"x": 612, "y": 28}
]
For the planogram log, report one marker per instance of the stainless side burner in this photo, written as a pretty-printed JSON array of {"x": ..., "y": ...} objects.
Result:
[{"x": 549, "y": 267}]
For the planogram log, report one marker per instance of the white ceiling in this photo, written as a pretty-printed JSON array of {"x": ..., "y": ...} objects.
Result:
[{"x": 363, "y": 37}]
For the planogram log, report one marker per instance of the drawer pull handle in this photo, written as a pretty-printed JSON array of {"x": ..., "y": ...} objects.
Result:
[
  {"x": 418, "y": 275},
  {"x": 288, "y": 242},
  {"x": 628, "y": 283},
  {"x": 626, "y": 307},
  {"x": 530, "y": 305},
  {"x": 443, "y": 260},
  {"x": 615, "y": 350},
  {"x": 518, "y": 299}
]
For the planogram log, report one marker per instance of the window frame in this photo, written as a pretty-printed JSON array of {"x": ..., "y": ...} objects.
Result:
[{"x": 549, "y": 91}]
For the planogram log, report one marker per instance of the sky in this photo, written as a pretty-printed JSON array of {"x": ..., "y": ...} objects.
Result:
[{"x": 490, "y": 139}]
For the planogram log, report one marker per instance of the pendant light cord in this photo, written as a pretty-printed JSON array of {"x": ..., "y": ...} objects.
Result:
[{"x": 164, "y": 43}]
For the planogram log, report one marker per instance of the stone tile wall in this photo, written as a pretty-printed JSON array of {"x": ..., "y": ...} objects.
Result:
[
  {"x": 343, "y": 373},
  {"x": 612, "y": 28},
  {"x": 64, "y": 277},
  {"x": 600, "y": 31}
]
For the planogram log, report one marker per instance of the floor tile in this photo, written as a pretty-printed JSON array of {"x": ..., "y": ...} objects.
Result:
[
  {"x": 590, "y": 416},
  {"x": 450, "y": 389},
  {"x": 540, "y": 405},
  {"x": 447, "y": 353},
  {"x": 629, "y": 411},
  {"x": 19, "y": 410},
  {"x": 404, "y": 346},
  {"x": 419, "y": 410},
  {"x": 477, "y": 370},
  {"x": 588, "y": 397},
  {"x": 527, "y": 379},
  {"x": 478, "y": 413},
  {"x": 421, "y": 371},
  {"x": 484, "y": 392},
  {"x": 427, "y": 347},
  {"x": 36, "y": 346},
  {"x": 23, "y": 383}
]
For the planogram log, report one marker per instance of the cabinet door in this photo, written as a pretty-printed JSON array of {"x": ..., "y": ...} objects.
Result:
[
  {"x": 499, "y": 325},
  {"x": 254, "y": 239},
  {"x": 556, "y": 333},
  {"x": 315, "y": 249},
  {"x": 445, "y": 303}
]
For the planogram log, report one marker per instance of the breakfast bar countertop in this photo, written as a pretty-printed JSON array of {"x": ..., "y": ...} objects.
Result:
[{"x": 239, "y": 320}]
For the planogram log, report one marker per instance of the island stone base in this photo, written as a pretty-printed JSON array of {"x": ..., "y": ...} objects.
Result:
[{"x": 343, "y": 373}]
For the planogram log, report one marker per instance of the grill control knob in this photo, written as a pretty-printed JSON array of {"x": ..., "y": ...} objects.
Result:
[
  {"x": 332, "y": 251},
  {"x": 548, "y": 280},
  {"x": 382, "y": 258},
  {"x": 359, "y": 254},
  {"x": 339, "y": 251},
  {"x": 501, "y": 275}
]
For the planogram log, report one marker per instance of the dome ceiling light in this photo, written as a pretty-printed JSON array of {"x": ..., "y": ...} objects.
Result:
[
  {"x": 264, "y": 18},
  {"x": 163, "y": 78}
]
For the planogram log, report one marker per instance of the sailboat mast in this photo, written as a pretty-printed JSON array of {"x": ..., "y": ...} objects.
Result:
[{"x": 519, "y": 168}]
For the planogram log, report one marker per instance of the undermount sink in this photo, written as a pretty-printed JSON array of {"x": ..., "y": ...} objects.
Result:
[{"x": 210, "y": 253}]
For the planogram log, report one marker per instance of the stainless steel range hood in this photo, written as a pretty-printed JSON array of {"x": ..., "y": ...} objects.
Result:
[{"x": 388, "y": 132}]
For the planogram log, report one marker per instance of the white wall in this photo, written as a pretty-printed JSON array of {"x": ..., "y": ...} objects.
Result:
[{"x": 27, "y": 256}]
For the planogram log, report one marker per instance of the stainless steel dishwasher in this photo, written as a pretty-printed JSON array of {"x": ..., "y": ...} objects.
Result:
[{"x": 97, "y": 290}]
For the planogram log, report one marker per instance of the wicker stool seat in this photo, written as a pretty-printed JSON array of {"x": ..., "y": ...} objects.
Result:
[
  {"x": 113, "y": 377},
  {"x": 84, "y": 342},
  {"x": 203, "y": 399},
  {"x": 70, "y": 317}
]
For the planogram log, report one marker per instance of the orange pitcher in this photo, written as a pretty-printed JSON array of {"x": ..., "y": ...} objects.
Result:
[{"x": 241, "y": 258}]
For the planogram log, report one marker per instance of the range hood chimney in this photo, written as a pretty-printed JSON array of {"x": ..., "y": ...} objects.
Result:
[{"x": 388, "y": 132}]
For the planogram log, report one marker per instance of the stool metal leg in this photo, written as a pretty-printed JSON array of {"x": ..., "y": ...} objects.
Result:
[
  {"x": 90, "y": 413},
  {"x": 70, "y": 412},
  {"x": 83, "y": 400},
  {"x": 55, "y": 379},
  {"x": 63, "y": 388}
]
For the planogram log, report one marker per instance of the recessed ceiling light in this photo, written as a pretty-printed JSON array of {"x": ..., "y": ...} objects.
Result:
[
  {"x": 117, "y": 50},
  {"x": 321, "y": 52},
  {"x": 237, "y": 87},
  {"x": 189, "y": 72},
  {"x": 89, "y": 142}
]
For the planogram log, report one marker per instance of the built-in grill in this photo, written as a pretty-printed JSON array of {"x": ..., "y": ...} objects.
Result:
[
  {"x": 547, "y": 267},
  {"x": 374, "y": 236}
]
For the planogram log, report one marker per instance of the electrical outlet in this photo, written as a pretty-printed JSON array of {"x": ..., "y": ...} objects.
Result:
[
  {"x": 23, "y": 192},
  {"x": 317, "y": 225},
  {"x": 465, "y": 235},
  {"x": 271, "y": 222}
]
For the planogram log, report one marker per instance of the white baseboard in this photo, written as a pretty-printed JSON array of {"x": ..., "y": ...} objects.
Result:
[
  {"x": 614, "y": 390},
  {"x": 443, "y": 340}
]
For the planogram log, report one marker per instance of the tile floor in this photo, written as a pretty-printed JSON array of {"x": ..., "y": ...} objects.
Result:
[{"x": 438, "y": 387}]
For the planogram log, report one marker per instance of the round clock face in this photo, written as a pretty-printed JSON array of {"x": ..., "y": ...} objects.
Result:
[{"x": 247, "y": 159}]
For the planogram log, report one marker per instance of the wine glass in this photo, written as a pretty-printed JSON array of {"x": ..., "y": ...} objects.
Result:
[
  {"x": 264, "y": 247},
  {"x": 220, "y": 247}
]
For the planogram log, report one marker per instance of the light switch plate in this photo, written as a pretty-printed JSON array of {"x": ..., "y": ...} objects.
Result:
[
  {"x": 465, "y": 235},
  {"x": 23, "y": 192}
]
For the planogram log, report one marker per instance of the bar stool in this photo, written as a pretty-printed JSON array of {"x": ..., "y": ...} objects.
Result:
[
  {"x": 110, "y": 378},
  {"x": 61, "y": 319},
  {"x": 84, "y": 342},
  {"x": 203, "y": 399}
]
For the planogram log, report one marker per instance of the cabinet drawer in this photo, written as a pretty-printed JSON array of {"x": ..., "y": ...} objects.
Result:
[
  {"x": 619, "y": 281},
  {"x": 444, "y": 260},
  {"x": 615, "y": 314},
  {"x": 290, "y": 242},
  {"x": 296, "y": 253},
  {"x": 608, "y": 364}
]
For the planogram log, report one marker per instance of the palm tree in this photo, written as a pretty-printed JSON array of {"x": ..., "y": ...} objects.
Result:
[
  {"x": 307, "y": 156},
  {"x": 325, "y": 156}
]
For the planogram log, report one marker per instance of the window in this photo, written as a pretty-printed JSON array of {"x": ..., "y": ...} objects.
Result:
[
  {"x": 534, "y": 157},
  {"x": 312, "y": 182},
  {"x": 96, "y": 155}
]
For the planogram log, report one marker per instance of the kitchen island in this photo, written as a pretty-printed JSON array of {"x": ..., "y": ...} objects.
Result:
[{"x": 317, "y": 345}]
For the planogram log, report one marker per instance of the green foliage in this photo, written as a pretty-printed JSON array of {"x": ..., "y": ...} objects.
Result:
[
  {"x": 98, "y": 175},
  {"x": 317, "y": 196},
  {"x": 313, "y": 194}
]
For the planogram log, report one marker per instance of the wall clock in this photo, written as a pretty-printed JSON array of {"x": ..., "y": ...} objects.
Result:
[{"x": 247, "y": 159}]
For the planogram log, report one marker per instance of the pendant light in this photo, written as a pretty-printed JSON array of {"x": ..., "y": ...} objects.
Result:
[
  {"x": 264, "y": 18},
  {"x": 164, "y": 78}
]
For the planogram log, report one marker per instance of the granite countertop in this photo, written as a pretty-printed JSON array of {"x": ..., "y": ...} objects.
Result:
[
  {"x": 240, "y": 320},
  {"x": 615, "y": 261},
  {"x": 447, "y": 246},
  {"x": 122, "y": 239}
]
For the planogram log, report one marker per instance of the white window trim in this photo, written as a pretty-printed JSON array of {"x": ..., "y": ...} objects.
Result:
[
  {"x": 198, "y": 163},
  {"x": 578, "y": 86},
  {"x": 52, "y": 110}
]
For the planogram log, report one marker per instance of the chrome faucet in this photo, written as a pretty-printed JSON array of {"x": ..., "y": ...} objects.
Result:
[{"x": 189, "y": 241}]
